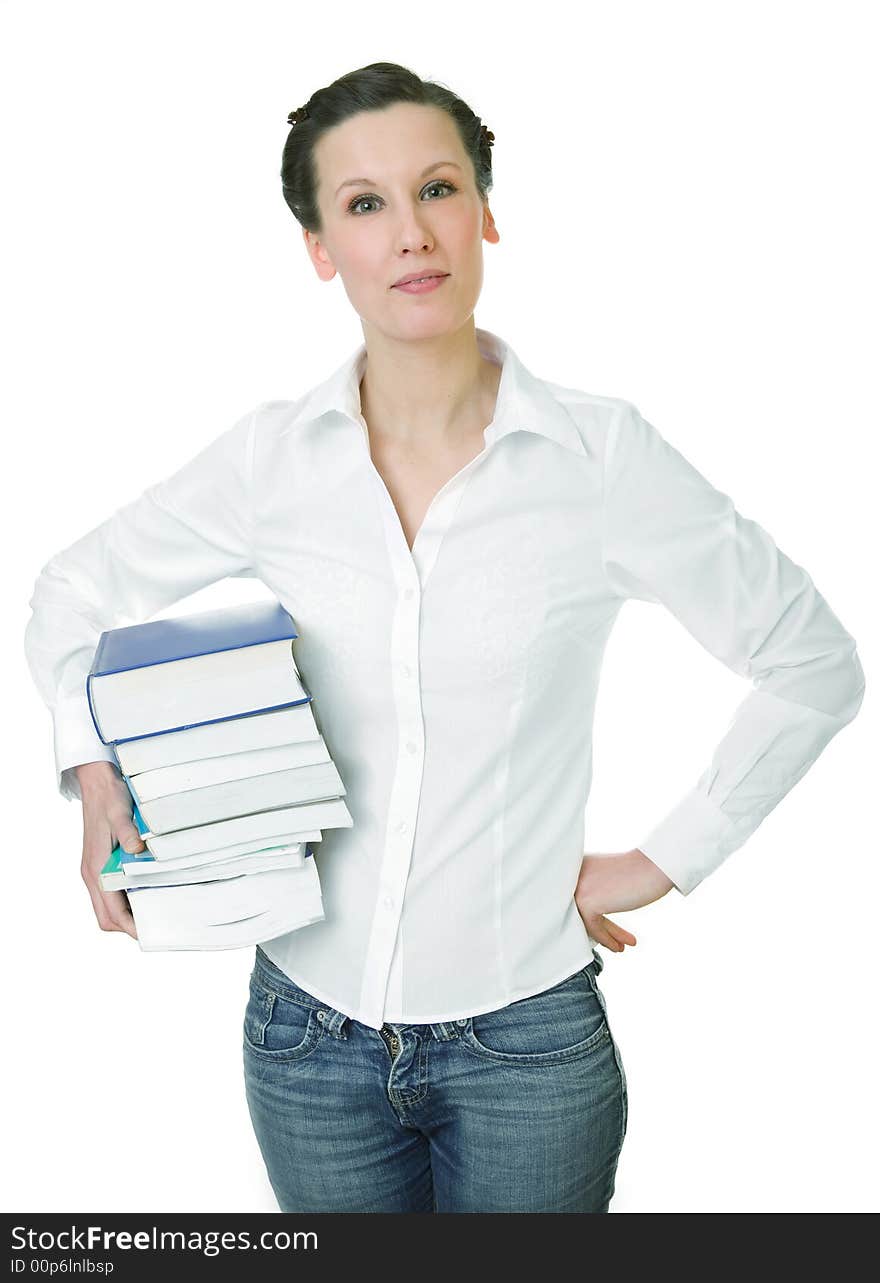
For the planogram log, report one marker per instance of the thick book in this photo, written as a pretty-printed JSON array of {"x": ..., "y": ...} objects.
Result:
[
  {"x": 282, "y": 820},
  {"x": 292, "y": 725},
  {"x": 124, "y": 871},
  {"x": 231, "y": 913},
  {"x": 258, "y": 846},
  {"x": 185, "y": 776},
  {"x": 171, "y": 674},
  {"x": 236, "y": 798}
]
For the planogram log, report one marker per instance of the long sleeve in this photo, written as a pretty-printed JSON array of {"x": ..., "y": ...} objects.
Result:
[
  {"x": 178, "y": 536},
  {"x": 671, "y": 538}
]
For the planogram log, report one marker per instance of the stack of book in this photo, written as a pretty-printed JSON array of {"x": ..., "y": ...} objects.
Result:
[{"x": 212, "y": 730}]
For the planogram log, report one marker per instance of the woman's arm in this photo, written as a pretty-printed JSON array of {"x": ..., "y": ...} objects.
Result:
[
  {"x": 178, "y": 536},
  {"x": 672, "y": 538}
]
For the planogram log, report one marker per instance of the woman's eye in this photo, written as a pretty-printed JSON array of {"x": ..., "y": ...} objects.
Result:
[
  {"x": 441, "y": 182},
  {"x": 359, "y": 201}
]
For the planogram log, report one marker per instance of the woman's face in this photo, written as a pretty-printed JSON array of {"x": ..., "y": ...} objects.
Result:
[{"x": 397, "y": 195}]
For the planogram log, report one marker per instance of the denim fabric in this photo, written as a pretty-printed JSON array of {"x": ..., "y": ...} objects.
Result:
[{"x": 521, "y": 1109}]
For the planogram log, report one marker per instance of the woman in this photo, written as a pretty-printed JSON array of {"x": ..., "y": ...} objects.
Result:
[{"x": 454, "y": 538}]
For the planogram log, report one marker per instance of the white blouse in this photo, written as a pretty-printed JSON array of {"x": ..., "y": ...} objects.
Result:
[{"x": 455, "y": 684}]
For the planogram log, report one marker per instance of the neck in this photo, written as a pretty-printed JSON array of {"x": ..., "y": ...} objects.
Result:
[{"x": 428, "y": 392}]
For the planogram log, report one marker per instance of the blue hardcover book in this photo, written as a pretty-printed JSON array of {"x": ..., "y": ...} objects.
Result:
[{"x": 182, "y": 637}]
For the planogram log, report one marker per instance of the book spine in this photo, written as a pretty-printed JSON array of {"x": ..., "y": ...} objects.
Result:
[
  {"x": 139, "y": 822},
  {"x": 210, "y": 721},
  {"x": 92, "y": 707}
]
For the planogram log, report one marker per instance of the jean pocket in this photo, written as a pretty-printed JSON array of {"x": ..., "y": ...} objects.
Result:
[
  {"x": 563, "y": 1023},
  {"x": 278, "y": 1027}
]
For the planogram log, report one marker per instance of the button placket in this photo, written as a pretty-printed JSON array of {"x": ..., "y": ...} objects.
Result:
[
  {"x": 382, "y": 979},
  {"x": 405, "y": 792}
]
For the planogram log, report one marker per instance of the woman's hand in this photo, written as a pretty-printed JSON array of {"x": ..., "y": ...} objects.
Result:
[
  {"x": 107, "y": 820},
  {"x": 615, "y": 884}
]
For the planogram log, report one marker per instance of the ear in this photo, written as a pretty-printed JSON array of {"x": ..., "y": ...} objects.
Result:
[
  {"x": 490, "y": 231},
  {"x": 318, "y": 254}
]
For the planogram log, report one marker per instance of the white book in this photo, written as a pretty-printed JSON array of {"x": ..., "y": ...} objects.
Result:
[
  {"x": 233, "y": 798},
  {"x": 260, "y": 845},
  {"x": 330, "y": 814},
  {"x": 215, "y": 739},
  {"x": 147, "y": 875},
  {"x": 227, "y": 915},
  {"x": 185, "y": 776}
]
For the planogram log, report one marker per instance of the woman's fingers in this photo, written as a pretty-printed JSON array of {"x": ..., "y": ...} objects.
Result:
[
  {"x": 112, "y": 911},
  {"x": 620, "y": 933},
  {"x": 120, "y": 911},
  {"x": 609, "y": 933},
  {"x": 111, "y": 907}
]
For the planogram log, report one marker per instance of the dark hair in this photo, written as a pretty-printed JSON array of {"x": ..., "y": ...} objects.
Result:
[{"x": 370, "y": 88}]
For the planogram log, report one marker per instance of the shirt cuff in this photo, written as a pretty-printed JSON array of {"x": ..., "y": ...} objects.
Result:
[
  {"x": 76, "y": 742},
  {"x": 690, "y": 842}
]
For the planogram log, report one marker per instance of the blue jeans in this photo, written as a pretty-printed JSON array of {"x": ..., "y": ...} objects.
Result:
[{"x": 521, "y": 1109}]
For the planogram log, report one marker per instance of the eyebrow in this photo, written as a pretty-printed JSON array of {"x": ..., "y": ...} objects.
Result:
[{"x": 356, "y": 182}]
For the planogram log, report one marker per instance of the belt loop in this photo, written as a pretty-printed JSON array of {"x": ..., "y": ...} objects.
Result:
[
  {"x": 444, "y": 1030},
  {"x": 335, "y": 1022}
]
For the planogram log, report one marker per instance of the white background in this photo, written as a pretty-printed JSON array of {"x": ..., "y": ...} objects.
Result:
[{"x": 688, "y": 218}]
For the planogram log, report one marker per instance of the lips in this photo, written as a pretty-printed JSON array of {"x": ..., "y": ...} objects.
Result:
[{"x": 415, "y": 276}]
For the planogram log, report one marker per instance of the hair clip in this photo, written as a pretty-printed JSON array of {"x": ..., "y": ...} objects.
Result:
[
  {"x": 487, "y": 134},
  {"x": 301, "y": 113}
]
